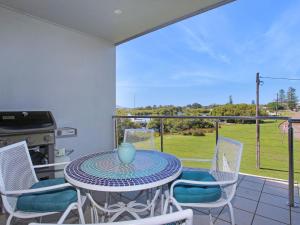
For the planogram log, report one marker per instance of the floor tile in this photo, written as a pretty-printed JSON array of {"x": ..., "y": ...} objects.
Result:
[
  {"x": 296, "y": 209},
  {"x": 221, "y": 222},
  {"x": 241, "y": 217},
  {"x": 244, "y": 204},
  {"x": 273, "y": 212},
  {"x": 295, "y": 218},
  {"x": 241, "y": 177},
  {"x": 251, "y": 185},
  {"x": 254, "y": 179},
  {"x": 282, "y": 185},
  {"x": 259, "y": 220},
  {"x": 239, "y": 181},
  {"x": 278, "y": 191},
  {"x": 248, "y": 193},
  {"x": 279, "y": 184},
  {"x": 214, "y": 212},
  {"x": 274, "y": 200},
  {"x": 201, "y": 219}
]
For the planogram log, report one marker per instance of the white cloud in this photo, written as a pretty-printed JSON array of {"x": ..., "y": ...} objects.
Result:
[
  {"x": 199, "y": 43},
  {"x": 278, "y": 48}
]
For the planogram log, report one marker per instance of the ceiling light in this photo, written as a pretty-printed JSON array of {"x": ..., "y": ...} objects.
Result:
[{"x": 118, "y": 11}]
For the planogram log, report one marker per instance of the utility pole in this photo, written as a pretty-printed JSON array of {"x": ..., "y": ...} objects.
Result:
[{"x": 257, "y": 123}]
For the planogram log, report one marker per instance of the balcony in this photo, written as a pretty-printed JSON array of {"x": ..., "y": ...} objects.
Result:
[{"x": 69, "y": 68}]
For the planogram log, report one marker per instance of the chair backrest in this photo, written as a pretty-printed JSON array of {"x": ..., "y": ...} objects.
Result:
[
  {"x": 226, "y": 162},
  {"x": 184, "y": 217},
  {"x": 16, "y": 172},
  {"x": 140, "y": 138}
]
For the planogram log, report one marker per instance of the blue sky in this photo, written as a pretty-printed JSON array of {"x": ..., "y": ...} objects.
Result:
[{"x": 213, "y": 55}]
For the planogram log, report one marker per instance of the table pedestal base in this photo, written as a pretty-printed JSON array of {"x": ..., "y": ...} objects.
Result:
[{"x": 117, "y": 209}]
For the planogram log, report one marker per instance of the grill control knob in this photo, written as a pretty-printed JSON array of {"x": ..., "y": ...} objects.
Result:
[
  {"x": 29, "y": 141},
  {"x": 3, "y": 142},
  {"x": 47, "y": 138}
]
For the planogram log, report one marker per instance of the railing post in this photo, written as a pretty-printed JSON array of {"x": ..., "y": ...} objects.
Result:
[
  {"x": 291, "y": 164},
  {"x": 161, "y": 135},
  {"x": 217, "y": 130},
  {"x": 116, "y": 132}
]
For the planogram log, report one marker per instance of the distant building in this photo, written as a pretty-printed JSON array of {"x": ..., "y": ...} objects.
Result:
[
  {"x": 272, "y": 113},
  {"x": 139, "y": 120},
  {"x": 298, "y": 106},
  {"x": 180, "y": 113}
]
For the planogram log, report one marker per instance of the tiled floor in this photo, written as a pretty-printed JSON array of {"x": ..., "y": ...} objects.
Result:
[{"x": 258, "y": 201}]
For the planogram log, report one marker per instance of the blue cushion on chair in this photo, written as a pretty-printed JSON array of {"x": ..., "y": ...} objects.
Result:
[
  {"x": 47, "y": 201},
  {"x": 185, "y": 193}
]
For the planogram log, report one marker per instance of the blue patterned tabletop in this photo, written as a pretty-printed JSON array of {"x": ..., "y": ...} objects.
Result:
[{"x": 105, "y": 169}]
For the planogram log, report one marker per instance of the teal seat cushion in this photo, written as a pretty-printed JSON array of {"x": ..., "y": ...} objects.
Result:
[
  {"x": 184, "y": 193},
  {"x": 47, "y": 201}
]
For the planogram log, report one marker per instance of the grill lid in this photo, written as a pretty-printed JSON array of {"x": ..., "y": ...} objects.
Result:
[{"x": 26, "y": 121}]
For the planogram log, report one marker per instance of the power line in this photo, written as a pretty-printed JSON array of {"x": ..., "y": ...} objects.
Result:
[{"x": 279, "y": 78}]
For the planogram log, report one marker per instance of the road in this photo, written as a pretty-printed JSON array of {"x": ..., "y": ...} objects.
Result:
[{"x": 296, "y": 126}]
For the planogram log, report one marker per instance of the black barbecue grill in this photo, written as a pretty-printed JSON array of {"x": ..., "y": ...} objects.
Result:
[{"x": 37, "y": 128}]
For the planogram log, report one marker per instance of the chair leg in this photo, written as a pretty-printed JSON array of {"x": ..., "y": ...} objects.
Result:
[
  {"x": 168, "y": 202},
  {"x": 171, "y": 207},
  {"x": 81, "y": 216},
  {"x": 8, "y": 221},
  {"x": 231, "y": 213},
  {"x": 210, "y": 218},
  {"x": 162, "y": 198},
  {"x": 79, "y": 206},
  {"x": 92, "y": 214}
]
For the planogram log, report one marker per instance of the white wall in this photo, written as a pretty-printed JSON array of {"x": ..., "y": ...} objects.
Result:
[{"x": 48, "y": 67}]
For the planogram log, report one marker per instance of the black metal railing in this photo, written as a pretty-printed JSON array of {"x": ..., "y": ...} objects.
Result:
[{"x": 216, "y": 120}]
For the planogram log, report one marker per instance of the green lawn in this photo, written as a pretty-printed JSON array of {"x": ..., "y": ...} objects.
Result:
[{"x": 274, "y": 150}]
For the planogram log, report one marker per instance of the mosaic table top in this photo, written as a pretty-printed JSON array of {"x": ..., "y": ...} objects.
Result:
[{"x": 104, "y": 169}]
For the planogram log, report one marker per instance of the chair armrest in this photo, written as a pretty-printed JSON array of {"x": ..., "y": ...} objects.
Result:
[
  {"x": 37, "y": 190},
  {"x": 195, "y": 160},
  {"x": 52, "y": 164},
  {"x": 204, "y": 183}
]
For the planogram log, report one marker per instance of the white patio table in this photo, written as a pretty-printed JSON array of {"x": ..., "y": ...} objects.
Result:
[{"x": 105, "y": 173}]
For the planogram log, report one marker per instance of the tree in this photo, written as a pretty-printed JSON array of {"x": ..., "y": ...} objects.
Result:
[
  {"x": 292, "y": 98},
  {"x": 236, "y": 110},
  {"x": 273, "y": 106},
  {"x": 281, "y": 96},
  {"x": 230, "y": 100},
  {"x": 196, "y": 105},
  {"x": 252, "y": 102}
]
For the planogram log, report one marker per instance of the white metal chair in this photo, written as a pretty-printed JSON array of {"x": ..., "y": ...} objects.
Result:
[
  {"x": 224, "y": 176},
  {"x": 141, "y": 138},
  {"x": 17, "y": 175},
  {"x": 184, "y": 217}
]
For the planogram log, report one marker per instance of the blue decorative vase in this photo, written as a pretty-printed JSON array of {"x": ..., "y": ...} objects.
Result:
[{"x": 126, "y": 153}]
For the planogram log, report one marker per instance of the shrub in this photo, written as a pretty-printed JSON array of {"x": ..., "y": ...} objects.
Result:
[
  {"x": 193, "y": 132},
  {"x": 198, "y": 133}
]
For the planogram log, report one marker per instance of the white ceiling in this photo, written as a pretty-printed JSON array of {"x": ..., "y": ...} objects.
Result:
[{"x": 97, "y": 17}]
